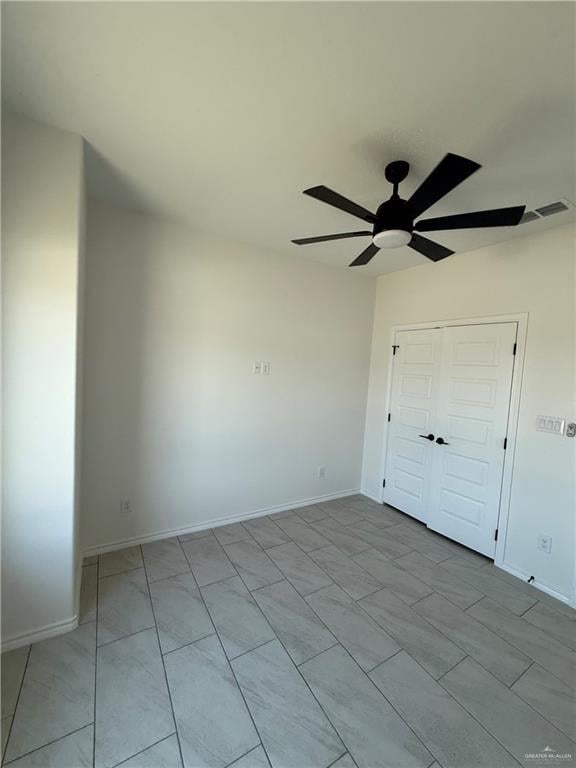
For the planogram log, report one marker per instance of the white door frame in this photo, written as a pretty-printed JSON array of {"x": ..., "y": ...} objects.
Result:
[{"x": 522, "y": 320}]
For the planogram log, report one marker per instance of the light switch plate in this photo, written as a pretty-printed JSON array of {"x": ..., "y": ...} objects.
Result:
[{"x": 552, "y": 424}]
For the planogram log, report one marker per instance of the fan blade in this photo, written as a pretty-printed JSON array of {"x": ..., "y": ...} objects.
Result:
[
  {"x": 449, "y": 172},
  {"x": 499, "y": 217},
  {"x": 365, "y": 256},
  {"x": 326, "y": 195},
  {"x": 429, "y": 248},
  {"x": 323, "y": 238}
]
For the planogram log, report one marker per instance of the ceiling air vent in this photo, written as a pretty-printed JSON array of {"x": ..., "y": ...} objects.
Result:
[
  {"x": 548, "y": 210},
  {"x": 529, "y": 216}
]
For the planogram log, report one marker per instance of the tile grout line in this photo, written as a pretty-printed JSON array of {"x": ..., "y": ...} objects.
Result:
[
  {"x": 296, "y": 667},
  {"x": 468, "y": 585},
  {"x": 367, "y": 676},
  {"x": 277, "y": 639},
  {"x": 230, "y": 660},
  {"x": 16, "y": 705},
  {"x": 368, "y": 574},
  {"x": 162, "y": 657},
  {"x": 464, "y": 651},
  {"x": 263, "y": 551},
  {"x": 513, "y": 644},
  {"x": 234, "y": 675},
  {"x": 124, "y": 637},
  {"x": 421, "y": 599},
  {"x": 521, "y": 615},
  {"x": 48, "y": 743},
  {"x": 493, "y": 736},
  {"x": 302, "y": 597},
  {"x": 557, "y": 727},
  {"x": 328, "y": 575},
  {"x": 265, "y": 586},
  {"x": 172, "y": 576},
  {"x": 291, "y": 541},
  {"x": 505, "y": 586},
  {"x": 299, "y": 664},
  {"x": 236, "y": 759},
  {"x": 467, "y": 654},
  {"x": 218, "y": 581},
  {"x": 187, "y": 645},
  {"x": 482, "y": 727},
  {"x": 341, "y": 756},
  {"x": 119, "y": 573},
  {"x": 403, "y": 720},
  {"x": 509, "y": 687},
  {"x": 369, "y": 618},
  {"x": 522, "y": 675},
  {"x": 293, "y": 663},
  {"x": 116, "y": 765},
  {"x": 400, "y": 649}
]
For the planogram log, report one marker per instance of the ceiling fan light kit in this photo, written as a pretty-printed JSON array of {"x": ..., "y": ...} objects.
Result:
[
  {"x": 394, "y": 223},
  {"x": 392, "y": 238}
]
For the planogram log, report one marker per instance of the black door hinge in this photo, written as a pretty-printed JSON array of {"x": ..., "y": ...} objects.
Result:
[
  {"x": 384, "y": 483},
  {"x": 496, "y": 535},
  {"x": 388, "y": 417},
  {"x": 515, "y": 347},
  {"x": 505, "y": 443},
  {"x": 394, "y": 348}
]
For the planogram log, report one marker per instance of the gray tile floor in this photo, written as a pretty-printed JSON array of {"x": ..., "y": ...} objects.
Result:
[{"x": 343, "y": 634}]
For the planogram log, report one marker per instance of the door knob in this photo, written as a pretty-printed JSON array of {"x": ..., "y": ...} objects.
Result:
[
  {"x": 427, "y": 437},
  {"x": 441, "y": 441}
]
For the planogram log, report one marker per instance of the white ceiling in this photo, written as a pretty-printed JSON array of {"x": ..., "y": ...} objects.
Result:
[{"x": 221, "y": 113}]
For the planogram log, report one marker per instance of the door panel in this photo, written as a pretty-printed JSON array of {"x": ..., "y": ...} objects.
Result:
[
  {"x": 473, "y": 401},
  {"x": 413, "y": 412}
]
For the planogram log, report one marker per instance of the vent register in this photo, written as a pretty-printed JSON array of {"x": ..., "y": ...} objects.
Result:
[{"x": 546, "y": 210}]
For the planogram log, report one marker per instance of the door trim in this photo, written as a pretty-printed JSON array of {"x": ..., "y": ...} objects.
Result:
[{"x": 517, "y": 373}]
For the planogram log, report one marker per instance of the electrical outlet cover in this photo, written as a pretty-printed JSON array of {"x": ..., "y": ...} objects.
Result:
[{"x": 545, "y": 543}]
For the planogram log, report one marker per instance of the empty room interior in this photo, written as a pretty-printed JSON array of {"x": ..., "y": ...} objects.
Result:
[{"x": 288, "y": 384}]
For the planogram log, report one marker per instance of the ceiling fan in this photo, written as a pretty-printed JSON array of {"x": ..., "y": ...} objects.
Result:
[{"x": 394, "y": 222}]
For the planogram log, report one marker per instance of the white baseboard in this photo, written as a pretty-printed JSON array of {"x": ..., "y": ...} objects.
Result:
[
  {"x": 370, "y": 496},
  {"x": 169, "y": 533},
  {"x": 44, "y": 633},
  {"x": 537, "y": 585}
]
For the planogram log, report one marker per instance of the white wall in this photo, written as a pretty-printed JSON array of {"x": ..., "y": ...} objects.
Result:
[
  {"x": 174, "y": 418},
  {"x": 42, "y": 195},
  {"x": 535, "y": 274}
]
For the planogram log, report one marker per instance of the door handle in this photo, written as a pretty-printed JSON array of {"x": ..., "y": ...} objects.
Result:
[
  {"x": 441, "y": 441},
  {"x": 427, "y": 437}
]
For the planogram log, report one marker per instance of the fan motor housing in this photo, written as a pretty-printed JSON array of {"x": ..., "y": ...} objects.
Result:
[{"x": 394, "y": 214}]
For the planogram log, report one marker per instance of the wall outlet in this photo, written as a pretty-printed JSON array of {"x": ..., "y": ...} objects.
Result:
[
  {"x": 125, "y": 507},
  {"x": 321, "y": 472},
  {"x": 545, "y": 543},
  {"x": 265, "y": 368},
  {"x": 257, "y": 367}
]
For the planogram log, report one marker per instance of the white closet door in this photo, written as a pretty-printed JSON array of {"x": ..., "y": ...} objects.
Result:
[
  {"x": 412, "y": 416},
  {"x": 473, "y": 406}
]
